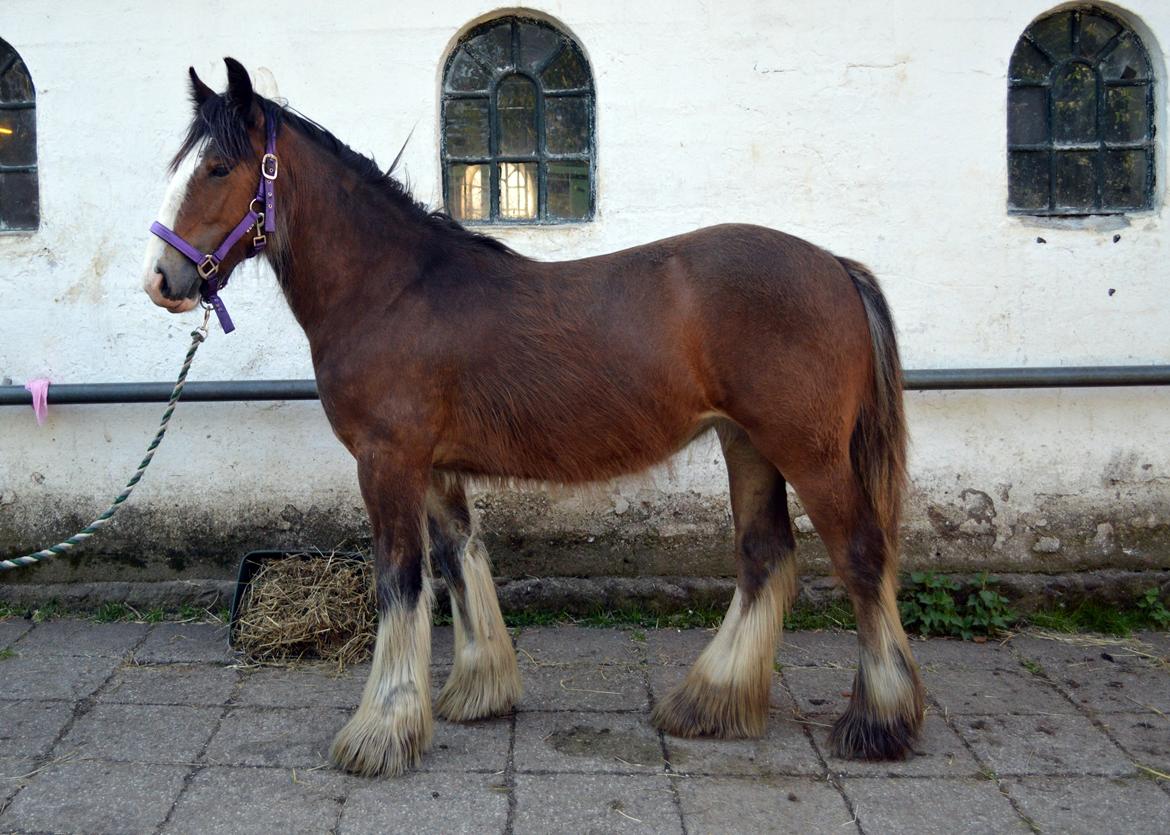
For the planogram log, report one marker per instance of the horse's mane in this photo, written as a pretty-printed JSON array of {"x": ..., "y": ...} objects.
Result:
[{"x": 218, "y": 123}]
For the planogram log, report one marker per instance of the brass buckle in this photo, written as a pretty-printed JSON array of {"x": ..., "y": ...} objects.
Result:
[
  {"x": 259, "y": 240},
  {"x": 207, "y": 267},
  {"x": 266, "y": 161}
]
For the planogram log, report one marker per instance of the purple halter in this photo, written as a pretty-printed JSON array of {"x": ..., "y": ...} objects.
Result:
[{"x": 263, "y": 218}]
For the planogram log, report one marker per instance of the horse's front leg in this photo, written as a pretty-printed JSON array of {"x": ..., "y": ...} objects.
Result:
[{"x": 392, "y": 727}]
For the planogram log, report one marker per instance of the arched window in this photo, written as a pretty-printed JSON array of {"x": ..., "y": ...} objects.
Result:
[
  {"x": 1080, "y": 117},
  {"x": 19, "y": 202},
  {"x": 517, "y": 125}
]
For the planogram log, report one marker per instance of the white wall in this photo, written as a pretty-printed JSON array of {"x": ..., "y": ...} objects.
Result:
[{"x": 875, "y": 130}]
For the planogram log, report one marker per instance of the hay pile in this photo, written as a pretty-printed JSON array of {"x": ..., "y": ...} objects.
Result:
[{"x": 311, "y": 606}]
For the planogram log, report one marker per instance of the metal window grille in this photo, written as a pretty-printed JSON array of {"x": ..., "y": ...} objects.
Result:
[
  {"x": 517, "y": 136},
  {"x": 19, "y": 194},
  {"x": 1080, "y": 117}
]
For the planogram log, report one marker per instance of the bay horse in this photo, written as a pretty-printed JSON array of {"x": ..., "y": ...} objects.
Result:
[{"x": 441, "y": 355}]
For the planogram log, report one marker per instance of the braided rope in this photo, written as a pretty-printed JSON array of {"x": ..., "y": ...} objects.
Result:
[{"x": 197, "y": 337}]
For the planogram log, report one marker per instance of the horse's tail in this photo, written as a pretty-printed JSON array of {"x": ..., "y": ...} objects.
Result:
[{"x": 878, "y": 445}]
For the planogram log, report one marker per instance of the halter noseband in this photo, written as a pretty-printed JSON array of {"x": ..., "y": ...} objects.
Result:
[{"x": 264, "y": 219}]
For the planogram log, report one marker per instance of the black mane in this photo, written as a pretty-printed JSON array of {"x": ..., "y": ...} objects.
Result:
[{"x": 218, "y": 123}]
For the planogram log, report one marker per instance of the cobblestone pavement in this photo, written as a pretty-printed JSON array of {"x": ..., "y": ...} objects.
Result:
[{"x": 139, "y": 728}]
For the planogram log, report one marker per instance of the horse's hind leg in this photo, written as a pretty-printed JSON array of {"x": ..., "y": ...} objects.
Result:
[
  {"x": 392, "y": 726},
  {"x": 485, "y": 679},
  {"x": 885, "y": 711},
  {"x": 726, "y": 692}
]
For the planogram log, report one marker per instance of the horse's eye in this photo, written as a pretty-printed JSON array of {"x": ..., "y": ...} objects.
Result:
[{"x": 220, "y": 170}]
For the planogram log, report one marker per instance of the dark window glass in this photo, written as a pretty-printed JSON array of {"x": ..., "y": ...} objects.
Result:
[
  {"x": 517, "y": 138},
  {"x": 1080, "y": 117},
  {"x": 19, "y": 197}
]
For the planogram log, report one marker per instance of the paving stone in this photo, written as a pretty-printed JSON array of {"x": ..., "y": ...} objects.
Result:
[
  {"x": 783, "y": 749},
  {"x": 664, "y": 679},
  {"x": 1076, "y": 650},
  {"x": 52, "y": 677},
  {"x": 15, "y": 772},
  {"x": 772, "y": 804},
  {"x": 586, "y": 742},
  {"x": 909, "y": 807},
  {"x": 469, "y": 746},
  {"x": 819, "y": 690},
  {"x": 83, "y": 638},
  {"x": 579, "y": 645},
  {"x": 432, "y": 802},
  {"x": 142, "y": 733},
  {"x": 170, "y": 684},
  {"x": 594, "y": 803},
  {"x": 1157, "y": 642},
  {"x": 258, "y": 800},
  {"x": 1145, "y": 736},
  {"x": 303, "y": 687},
  {"x": 1013, "y": 745},
  {"x": 1113, "y": 688},
  {"x": 185, "y": 643},
  {"x": 821, "y": 648},
  {"x": 944, "y": 653},
  {"x": 443, "y": 645},
  {"x": 939, "y": 753},
  {"x": 679, "y": 647},
  {"x": 584, "y": 687},
  {"x": 993, "y": 692},
  {"x": 296, "y": 738},
  {"x": 30, "y": 728},
  {"x": 96, "y": 797},
  {"x": 11, "y": 629},
  {"x": 1092, "y": 805}
]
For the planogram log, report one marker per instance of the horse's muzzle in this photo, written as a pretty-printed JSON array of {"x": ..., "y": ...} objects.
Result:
[{"x": 155, "y": 285}]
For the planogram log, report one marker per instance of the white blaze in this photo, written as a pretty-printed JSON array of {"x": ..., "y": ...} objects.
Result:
[{"x": 167, "y": 213}]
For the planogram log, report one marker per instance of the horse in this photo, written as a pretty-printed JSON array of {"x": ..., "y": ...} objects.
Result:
[{"x": 442, "y": 356}]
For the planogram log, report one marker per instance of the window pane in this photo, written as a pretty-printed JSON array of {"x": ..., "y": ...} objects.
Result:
[
  {"x": 568, "y": 190},
  {"x": 1127, "y": 115},
  {"x": 16, "y": 84},
  {"x": 537, "y": 45},
  {"x": 566, "y": 124},
  {"x": 1074, "y": 94},
  {"x": 19, "y": 205},
  {"x": 466, "y": 128},
  {"x": 1126, "y": 175},
  {"x": 1028, "y": 64},
  {"x": 1127, "y": 62},
  {"x": 467, "y": 190},
  {"x": 1028, "y": 115},
  {"x": 516, "y": 103},
  {"x": 567, "y": 72},
  {"x": 494, "y": 47},
  {"x": 1054, "y": 35},
  {"x": 518, "y": 190},
  {"x": 1075, "y": 185},
  {"x": 1096, "y": 31},
  {"x": 1028, "y": 180},
  {"x": 466, "y": 74},
  {"x": 18, "y": 137}
]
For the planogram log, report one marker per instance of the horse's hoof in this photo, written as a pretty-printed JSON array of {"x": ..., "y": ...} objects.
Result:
[
  {"x": 859, "y": 735},
  {"x": 383, "y": 741},
  {"x": 699, "y": 708},
  {"x": 485, "y": 681}
]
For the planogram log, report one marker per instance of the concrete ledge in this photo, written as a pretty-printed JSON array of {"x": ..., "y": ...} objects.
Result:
[{"x": 584, "y": 595}]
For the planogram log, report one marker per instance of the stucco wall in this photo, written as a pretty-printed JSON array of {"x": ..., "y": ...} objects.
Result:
[{"x": 875, "y": 130}]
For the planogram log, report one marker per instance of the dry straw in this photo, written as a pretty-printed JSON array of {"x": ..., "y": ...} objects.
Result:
[{"x": 318, "y": 606}]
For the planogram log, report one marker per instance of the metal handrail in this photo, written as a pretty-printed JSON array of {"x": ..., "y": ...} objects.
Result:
[{"x": 923, "y": 379}]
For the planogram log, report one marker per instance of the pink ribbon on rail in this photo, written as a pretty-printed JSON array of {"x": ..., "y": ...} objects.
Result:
[{"x": 39, "y": 389}]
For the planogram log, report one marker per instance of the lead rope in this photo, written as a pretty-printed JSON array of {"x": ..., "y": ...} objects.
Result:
[{"x": 197, "y": 337}]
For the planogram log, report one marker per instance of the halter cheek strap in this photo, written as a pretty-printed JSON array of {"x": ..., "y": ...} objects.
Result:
[{"x": 261, "y": 215}]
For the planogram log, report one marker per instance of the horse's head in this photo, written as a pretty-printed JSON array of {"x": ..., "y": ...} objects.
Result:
[{"x": 214, "y": 180}]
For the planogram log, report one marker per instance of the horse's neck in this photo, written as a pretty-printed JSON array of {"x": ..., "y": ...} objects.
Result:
[{"x": 339, "y": 257}]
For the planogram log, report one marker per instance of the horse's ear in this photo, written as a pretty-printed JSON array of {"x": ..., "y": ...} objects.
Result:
[
  {"x": 239, "y": 91},
  {"x": 200, "y": 92}
]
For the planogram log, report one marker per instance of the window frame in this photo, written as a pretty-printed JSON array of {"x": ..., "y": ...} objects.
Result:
[
  {"x": 542, "y": 157},
  {"x": 32, "y": 168},
  {"x": 1101, "y": 145}
]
